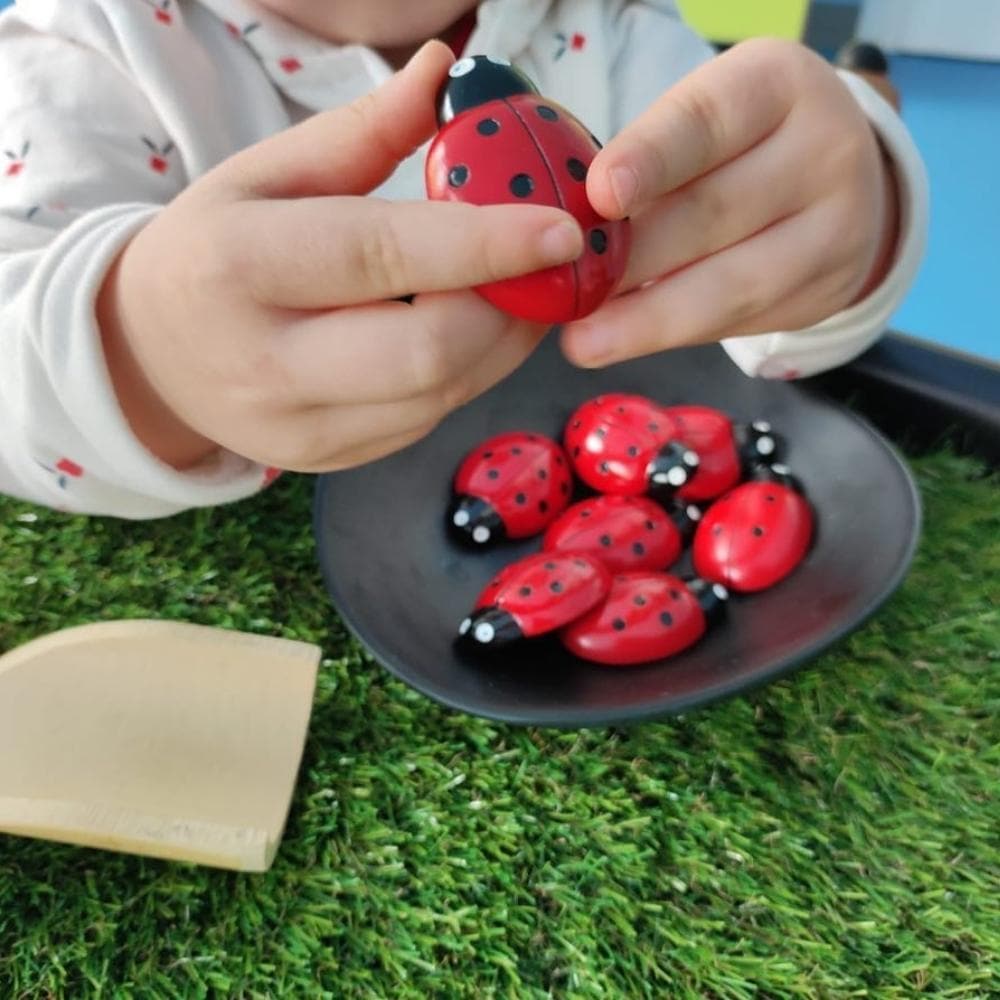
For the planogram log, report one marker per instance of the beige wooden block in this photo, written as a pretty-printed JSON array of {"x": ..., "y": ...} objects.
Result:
[{"x": 160, "y": 738}]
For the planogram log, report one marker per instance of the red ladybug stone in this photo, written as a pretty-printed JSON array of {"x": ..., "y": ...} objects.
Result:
[
  {"x": 646, "y": 616},
  {"x": 755, "y": 535},
  {"x": 723, "y": 450},
  {"x": 625, "y": 533},
  {"x": 503, "y": 143},
  {"x": 511, "y": 486},
  {"x": 625, "y": 444},
  {"x": 535, "y": 595}
]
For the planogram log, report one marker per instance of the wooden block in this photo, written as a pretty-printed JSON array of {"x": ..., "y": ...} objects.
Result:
[{"x": 159, "y": 738}]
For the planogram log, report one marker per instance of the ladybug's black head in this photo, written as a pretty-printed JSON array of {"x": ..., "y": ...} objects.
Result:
[{"x": 475, "y": 80}]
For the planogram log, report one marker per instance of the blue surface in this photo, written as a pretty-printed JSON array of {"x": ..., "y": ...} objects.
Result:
[{"x": 952, "y": 108}]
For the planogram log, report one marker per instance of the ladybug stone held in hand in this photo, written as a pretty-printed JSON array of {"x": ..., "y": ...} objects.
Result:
[
  {"x": 756, "y": 534},
  {"x": 511, "y": 486},
  {"x": 537, "y": 594},
  {"x": 501, "y": 142},
  {"x": 625, "y": 444}
]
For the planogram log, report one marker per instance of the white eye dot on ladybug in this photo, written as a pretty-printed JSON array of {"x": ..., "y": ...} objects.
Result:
[
  {"x": 488, "y": 126},
  {"x": 465, "y": 626},
  {"x": 598, "y": 240},
  {"x": 549, "y": 114},
  {"x": 458, "y": 175},
  {"x": 461, "y": 518},
  {"x": 481, "y": 534},
  {"x": 521, "y": 185},
  {"x": 484, "y": 632},
  {"x": 462, "y": 67}
]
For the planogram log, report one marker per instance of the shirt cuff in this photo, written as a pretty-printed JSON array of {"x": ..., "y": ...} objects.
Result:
[
  {"x": 843, "y": 336},
  {"x": 129, "y": 479}
]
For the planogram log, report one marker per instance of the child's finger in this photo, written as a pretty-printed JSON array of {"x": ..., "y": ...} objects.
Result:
[
  {"x": 722, "y": 208},
  {"x": 729, "y": 293},
  {"x": 351, "y": 149},
  {"x": 317, "y": 253},
  {"x": 396, "y": 351},
  {"x": 717, "y": 112}
]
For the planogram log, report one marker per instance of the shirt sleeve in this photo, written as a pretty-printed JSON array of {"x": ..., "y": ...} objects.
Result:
[
  {"x": 654, "y": 50},
  {"x": 84, "y": 163}
]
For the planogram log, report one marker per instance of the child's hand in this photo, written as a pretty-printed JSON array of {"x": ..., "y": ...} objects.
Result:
[
  {"x": 254, "y": 312},
  {"x": 760, "y": 201}
]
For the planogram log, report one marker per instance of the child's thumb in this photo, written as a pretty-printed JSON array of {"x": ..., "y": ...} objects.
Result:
[{"x": 351, "y": 149}]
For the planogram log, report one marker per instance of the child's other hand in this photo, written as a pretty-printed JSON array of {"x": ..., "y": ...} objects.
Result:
[
  {"x": 760, "y": 201},
  {"x": 257, "y": 311}
]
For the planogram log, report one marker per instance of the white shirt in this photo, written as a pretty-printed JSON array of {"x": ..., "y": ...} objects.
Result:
[{"x": 109, "y": 108}]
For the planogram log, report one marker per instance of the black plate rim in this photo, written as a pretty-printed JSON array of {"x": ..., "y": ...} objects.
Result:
[{"x": 654, "y": 710}]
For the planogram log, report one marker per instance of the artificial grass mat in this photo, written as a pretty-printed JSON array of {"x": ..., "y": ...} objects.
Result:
[{"x": 832, "y": 835}]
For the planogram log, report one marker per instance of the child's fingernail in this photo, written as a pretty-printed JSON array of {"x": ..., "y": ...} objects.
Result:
[
  {"x": 562, "y": 242},
  {"x": 624, "y": 185},
  {"x": 591, "y": 345}
]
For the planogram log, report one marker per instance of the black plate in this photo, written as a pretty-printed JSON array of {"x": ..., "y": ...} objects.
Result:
[{"x": 402, "y": 585}]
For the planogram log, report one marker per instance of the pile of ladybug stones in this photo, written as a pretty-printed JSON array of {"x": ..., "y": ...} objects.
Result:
[{"x": 664, "y": 476}]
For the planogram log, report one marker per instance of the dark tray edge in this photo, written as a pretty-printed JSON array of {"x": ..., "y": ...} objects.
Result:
[{"x": 923, "y": 395}]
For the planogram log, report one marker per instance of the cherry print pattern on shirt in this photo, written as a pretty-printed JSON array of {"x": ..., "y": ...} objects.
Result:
[
  {"x": 161, "y": 9},
  {"x": 290, "y": 64},
  {"x": 239, "y": 33},
  {"x": 64, "y": 470},
  {"x": 158, "y": 159},
  {"x": 16, "y": 160},
  {"x": 568, "y": 43}
]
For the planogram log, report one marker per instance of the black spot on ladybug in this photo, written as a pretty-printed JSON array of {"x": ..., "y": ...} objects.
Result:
[
  {"x": 584, "y": 513},
  {"x": 458, "y": 175},
  {"x": 638, "y": 548},
  {"x": 487, "y": 454},
  {"x": 580, "y": 563},
  {"x": 651, "y": 526},
  {"x": 618, "y": 624},
  {"x": 605, "y": 540},
  {"x": 493, "y": 474},
  {"x": 620, "y": 409},
  {"x": 654, "y": 427},
  {"x": 576, "y": 452},
  {"x": 675, "y": 594},
  {"x": 550, "y": 565},
  {"x": 543, "y": 506},
  {"x": 577, "y": 169},
  {"x": 667, "y": 618},
  {"x": 770, "y": 498},
  {"x": 520, "y": 499},
  {"x": 542, "y": 474},
  {"x": 598, "y": 240},
  {"x": 521, "y": 185},
  {"x": 601, "y": 432},
  {"x": 531, "y": 437},
  {"x": 515, "y": 451},
  {"x": 559, "y": 460},
  {"x": 576, "y": 423},
  {"x": 639, "y": 600},
  {"x": 525, "y": 591},
  {"x": 549, "y": 114},
  {"x": 564, "y": 488},
  {"x": 717, "y": 530},
  {"x": 633, "y": 451},
  {"x": 603, "y": 467},
  {"x": 488, "y": 126},
  {"x": 555, "y": 586},
  {"x": 757, "y": 530}
]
